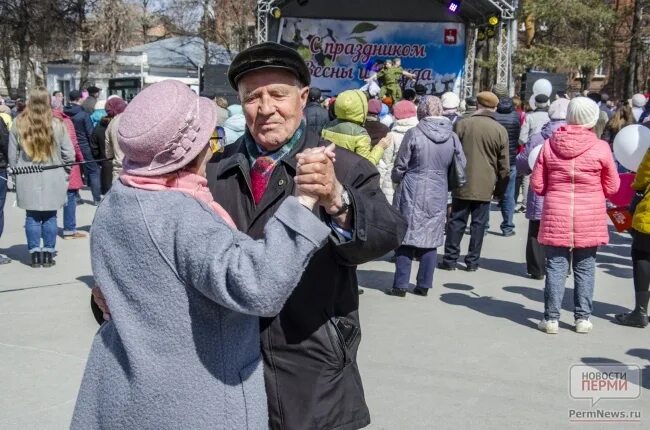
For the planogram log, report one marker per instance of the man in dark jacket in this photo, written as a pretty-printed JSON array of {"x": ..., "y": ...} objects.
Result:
[
  {"x": 83, "y": 126},
  {"x": 310, "y": 349},
  {"x": 91, "y": 101},
  {"x": 315, "y": 114},
  {"x": 485, "y": 143},
  {"x": 4, "y": 161},
  {"x": 507, "y": 116}
]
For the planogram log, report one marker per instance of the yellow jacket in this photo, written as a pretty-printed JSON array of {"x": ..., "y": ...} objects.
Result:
[
  {"x": 7, "y": 119},
  {"x": 641, "y": 219},
  {"x": 351, "y": 109}
]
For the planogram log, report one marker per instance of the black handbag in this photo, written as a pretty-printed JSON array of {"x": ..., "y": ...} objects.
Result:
[
  {"x": 456, "y": 177},
  {"x": 638, "y": 197}
]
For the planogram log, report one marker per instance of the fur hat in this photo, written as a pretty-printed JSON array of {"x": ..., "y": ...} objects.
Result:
[
  {"x": 268, "y": 55},
  {"x": 583, "y": 111},
  {"x": 164, "y": 128}
]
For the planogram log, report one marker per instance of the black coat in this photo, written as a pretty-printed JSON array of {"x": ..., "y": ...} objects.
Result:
[
  {"x": 98, "y": 149},
  {"x": 507, "y": 116},
  {"x": 83, "y": 126},
  {"x": 4, "y": 146},
  {"x": 316, "y": 117},
  {"x": 310, "y": 348}
]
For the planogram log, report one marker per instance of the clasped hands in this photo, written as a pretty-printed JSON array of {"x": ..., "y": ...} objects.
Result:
[{"x": 316, "y": 180}]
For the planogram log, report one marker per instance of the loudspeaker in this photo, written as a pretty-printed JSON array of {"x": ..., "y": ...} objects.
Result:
[
  {"x": 214, "y": 79},
  {"x": 559, "y": 81}
]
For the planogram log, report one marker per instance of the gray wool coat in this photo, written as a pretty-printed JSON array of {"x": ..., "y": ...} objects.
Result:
[
  {"x": 182, "y": 350},
  {"x": 421, "y": 170},
  {"x": 45, "y": 191}
]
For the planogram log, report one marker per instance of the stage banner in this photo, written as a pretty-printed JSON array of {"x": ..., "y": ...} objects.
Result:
[{"x": 341, "y": 54}]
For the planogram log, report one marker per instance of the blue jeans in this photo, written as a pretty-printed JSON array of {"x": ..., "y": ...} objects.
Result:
[
  {"x": 91, "y": 171},
  {"x": 405, "y": 255},
  {"x": 70, "y": 214},
  {"x": 584, "y": 273},
  {"x": 508, "y": 204},
  {"x": 41, "y": 225},
  {"x": 3, "y": 197}
]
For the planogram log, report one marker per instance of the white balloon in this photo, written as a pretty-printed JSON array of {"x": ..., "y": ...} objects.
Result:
[
  {"x": 543, "y": 86},
  {"x": 531, "y": 101},
  {"x": 630, "y": 145},
  {"x": 534, "y": 155}
]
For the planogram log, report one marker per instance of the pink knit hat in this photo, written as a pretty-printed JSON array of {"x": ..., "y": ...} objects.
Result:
[
  {"x": 164, "y": 128},
  {"x": 374, "y": 106},
  {"x": 405, "y": 109}
]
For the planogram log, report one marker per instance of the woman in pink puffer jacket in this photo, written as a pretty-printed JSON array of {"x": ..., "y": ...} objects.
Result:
[{"x": 575, "y": 172}]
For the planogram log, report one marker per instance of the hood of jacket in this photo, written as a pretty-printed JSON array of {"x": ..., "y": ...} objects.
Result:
[
  {"x": 351, "y": 106},
  {"x": 436, "y": 128},
  {"x": 570, "y": 141},
  {"x": 551, "y": 127},
  {"x": 404, "y": 125},
  {"x": 506, "y": 105},
  {"x": 72, "y": 109},
  {"x": 236, "y": 122}
]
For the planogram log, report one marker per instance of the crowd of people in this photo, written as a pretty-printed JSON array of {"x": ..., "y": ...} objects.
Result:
[{"x": 246, "y": 223}]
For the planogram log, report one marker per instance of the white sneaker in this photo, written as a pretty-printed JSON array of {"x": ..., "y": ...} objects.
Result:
[
  {"x": 583, "y": 326},
  {"x": 549, "y": 327}
]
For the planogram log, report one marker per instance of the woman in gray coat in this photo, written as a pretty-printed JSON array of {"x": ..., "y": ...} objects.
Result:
[
  {"x": 421, "y": 170},
  {"x": 37, "y": 138},
  {"x": 185, "y": 287}
]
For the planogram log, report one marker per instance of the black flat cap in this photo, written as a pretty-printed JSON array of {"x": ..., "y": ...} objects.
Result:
[
  {"x": 268, "y": 55},
  {"x": 541, "y": 98}
]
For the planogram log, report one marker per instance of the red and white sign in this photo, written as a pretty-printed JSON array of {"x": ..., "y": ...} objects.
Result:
[{"x": 451, "y": 36}]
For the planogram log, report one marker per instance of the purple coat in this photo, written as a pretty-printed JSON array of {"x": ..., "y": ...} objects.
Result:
[
  {"x": 535, "y": 202},
  {"x": 421, "y": 170}
]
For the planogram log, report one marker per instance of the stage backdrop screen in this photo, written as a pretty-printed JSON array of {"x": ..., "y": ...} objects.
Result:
[{"x": 341, "y": 54}]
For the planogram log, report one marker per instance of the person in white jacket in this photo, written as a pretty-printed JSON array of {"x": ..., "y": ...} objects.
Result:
[{"x": 406, "y": 118}]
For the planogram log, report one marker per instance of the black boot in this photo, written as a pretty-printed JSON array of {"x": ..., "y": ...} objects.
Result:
[
  {"x": 48, "y": 259},
  {"x": 36, "y": 259},
  {"x": 421, "y": 291},
  {"x": 639, "y": 316},
  {"x": 397, "y": 292}
]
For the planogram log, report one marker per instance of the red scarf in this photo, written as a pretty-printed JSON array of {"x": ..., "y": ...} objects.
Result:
[{"x": 185, "y": 182}]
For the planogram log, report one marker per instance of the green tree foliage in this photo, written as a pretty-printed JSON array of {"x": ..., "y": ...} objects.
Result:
[{"x": 568, "y": 35}]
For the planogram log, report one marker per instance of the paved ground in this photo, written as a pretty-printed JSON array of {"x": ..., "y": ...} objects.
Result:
[{"x": 467, "y": 356}]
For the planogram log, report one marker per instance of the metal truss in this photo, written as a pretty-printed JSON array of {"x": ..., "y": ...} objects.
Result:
[
  {"x": 505, "y": 44},
  {"x": 507, "y": 8},
  {"x": 470, "y": 58},
  {"x": 263, "y": 10},
  {"x": 504, "y": 54}
]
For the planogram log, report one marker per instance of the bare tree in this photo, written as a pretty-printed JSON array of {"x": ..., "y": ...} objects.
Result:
[
  {"x": 111, "y": 29},
  {"x": 633, "y": 59},
  {"x": 234, "y": 21},
  {"x": 27, "y": 32}
]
